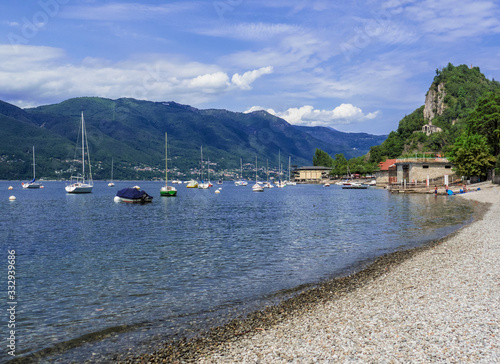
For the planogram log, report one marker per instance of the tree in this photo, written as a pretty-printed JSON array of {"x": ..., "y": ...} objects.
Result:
[
  {"x": 339, "y": 165},
  {"x": 485, "y": 120},
  {"x": 471, "y": 155},
  {"x": 321, "y": 158}
]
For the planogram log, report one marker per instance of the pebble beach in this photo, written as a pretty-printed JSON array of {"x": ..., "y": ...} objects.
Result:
[{"x": 438, "y": 303}]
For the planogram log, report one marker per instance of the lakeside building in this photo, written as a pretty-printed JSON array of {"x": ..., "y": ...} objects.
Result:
[
  {"x": 387, "y": 173},
  {"x": 415, "y": 171},
  {"x": 311, "y": 174}
]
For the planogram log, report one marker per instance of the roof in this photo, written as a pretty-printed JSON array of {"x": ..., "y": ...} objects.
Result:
[
  {"x": 314, "y": 168},
  {"x": 384, "y": 166}
]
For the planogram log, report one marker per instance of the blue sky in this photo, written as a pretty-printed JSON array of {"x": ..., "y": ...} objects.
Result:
[{"x": 356, "y": 66}]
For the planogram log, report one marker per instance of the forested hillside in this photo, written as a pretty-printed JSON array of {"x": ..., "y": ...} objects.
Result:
[{"x": 463, "y": 86}]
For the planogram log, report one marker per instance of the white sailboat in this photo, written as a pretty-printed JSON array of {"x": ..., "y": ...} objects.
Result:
[
  {"x": 32, "y": 184},
  {"x": 78, "y": 183},
  {"x": 281, "y": 183},
  {"x": 267, "y": 184},
  {"x": 289, "y": 182},
  {"x": 241, "y": 182},
  {"x": 167, "y": 190},
  {"x": 203, "y": 185},
  {"x": 257, "y": 187},
  {"x": 111, "y": 184}
]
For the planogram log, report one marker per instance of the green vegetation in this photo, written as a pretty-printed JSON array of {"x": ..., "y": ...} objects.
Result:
[
  {"x": 471, "y": 108},
  {"x": 471, "y": 155}
]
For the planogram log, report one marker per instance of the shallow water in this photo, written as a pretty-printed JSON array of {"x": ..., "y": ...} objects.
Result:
[{"x": 138, "y": 274}]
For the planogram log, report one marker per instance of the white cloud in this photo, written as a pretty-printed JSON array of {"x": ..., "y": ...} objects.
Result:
[
  {"x": 38, "y": 75},
  {"x": 309, "y": 116},
  {"x": 245, "y": 80}
]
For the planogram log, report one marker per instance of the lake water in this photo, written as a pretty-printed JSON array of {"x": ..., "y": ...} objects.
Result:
[{"x": 95, "y": 276}]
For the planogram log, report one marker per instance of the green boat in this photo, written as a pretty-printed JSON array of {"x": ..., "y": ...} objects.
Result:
[{"x": 167, "y": 190}]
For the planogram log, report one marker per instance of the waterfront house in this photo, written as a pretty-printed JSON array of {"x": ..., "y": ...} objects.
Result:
[
  {"x": 418, "y": 170},
  {"x": 311, "y": 174},
  {"x": 387, "y": 173}
]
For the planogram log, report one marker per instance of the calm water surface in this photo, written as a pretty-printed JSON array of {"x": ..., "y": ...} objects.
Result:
[{"x": 142, "y": 273}]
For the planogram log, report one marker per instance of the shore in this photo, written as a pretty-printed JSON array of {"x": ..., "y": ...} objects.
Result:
[{"x": 437, "y": 303}]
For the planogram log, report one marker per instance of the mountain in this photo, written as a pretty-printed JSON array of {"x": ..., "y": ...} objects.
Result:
[
  {"x": 349, "y": 144},
  {"x": 132, "y": 132}
]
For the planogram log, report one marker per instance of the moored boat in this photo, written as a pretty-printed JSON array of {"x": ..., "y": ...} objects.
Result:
[
  {"x": 192, "y": 184},
  {"x": 32, "y": 183},
  {"x": 78, "y": 183},
  {"x": 133, "y": 195},
  {"x": 167, "y": 190}
]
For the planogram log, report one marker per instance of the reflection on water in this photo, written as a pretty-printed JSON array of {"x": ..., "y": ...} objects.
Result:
[{"x": 87, "y": 264}]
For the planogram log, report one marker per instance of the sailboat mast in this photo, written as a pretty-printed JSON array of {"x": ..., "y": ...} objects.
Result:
[
  {"x": 166, "y": 160},
  {"x": 83, "y": 149},
  {"x": 34, "y": 163}
]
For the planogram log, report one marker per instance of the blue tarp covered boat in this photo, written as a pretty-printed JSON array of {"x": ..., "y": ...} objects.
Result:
[{"x": 133, "y": 194}]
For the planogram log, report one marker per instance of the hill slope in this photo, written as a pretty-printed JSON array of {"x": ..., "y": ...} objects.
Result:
[
  {"x": 451, "y": 98},
  {"x": 132, "y": 132}
]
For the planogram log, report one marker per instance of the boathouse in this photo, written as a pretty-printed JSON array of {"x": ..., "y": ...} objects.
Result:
[
  {"x": 387, "y": 173},
  {"x": 419, "y": 170},
  {"x": 312, "y": 174}
]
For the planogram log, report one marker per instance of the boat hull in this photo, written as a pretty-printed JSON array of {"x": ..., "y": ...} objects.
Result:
[
  {"x": 32, "y": 185},
  {"x": 79, "y": 188},
  {"x": 168, "y": 192},
  {"x": 133, "y": 200}
]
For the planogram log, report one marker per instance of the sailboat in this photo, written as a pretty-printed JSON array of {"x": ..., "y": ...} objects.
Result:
[
  {"x": 77, "y": 183},
  {"x": 32, "y": 184},
  {"x": 267, "y": 184},
  {"x": 289, "y": 182},
  {"x": 281, "y": 183},
  {"x": 257, "y": 187},
  {"x": 111, "y": 184},
  {"x": 241, "y": 182},
  {"x": 202, "y": 185},
  {"x": 167, "y": 190}
]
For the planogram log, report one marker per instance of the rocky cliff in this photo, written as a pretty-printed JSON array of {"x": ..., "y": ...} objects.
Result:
[{"x": 434, "y": 101}]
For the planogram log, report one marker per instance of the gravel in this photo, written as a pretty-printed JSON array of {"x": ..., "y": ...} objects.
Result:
[{"x": 440, "y": 303}]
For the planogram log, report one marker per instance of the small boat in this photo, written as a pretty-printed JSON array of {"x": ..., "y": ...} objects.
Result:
[
  {"x": 111, "y": 184},
  {"x": 78, "y": 184},
  {"x": 241, "y": 182},
  {"x": 257, "y": 187},
  {"x": 203, "y": 185},
  {"x": 219, "y": 182},
  {"x": 326, "y": 185},
  {"x": 133, "y": 195},
  {"x": 192, "y": 184},
  {"x": 354, "y": 186},
  {"x": 290, "y": 182},
  {"x": 167, "y": 190},
  {"x": 32, "y": 184}
]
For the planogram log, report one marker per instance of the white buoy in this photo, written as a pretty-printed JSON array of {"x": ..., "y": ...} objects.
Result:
[
  {"x": 117, "y": 199},
  {"x": 217, "y": 191},
  {"x": 11, "y": 188},
  {"x": 12, "y": 198}
]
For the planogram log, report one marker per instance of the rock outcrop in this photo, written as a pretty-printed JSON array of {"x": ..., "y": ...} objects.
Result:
[{"x": 434, "y": 101}]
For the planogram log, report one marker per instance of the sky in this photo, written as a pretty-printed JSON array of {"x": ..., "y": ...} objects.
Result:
[{"x": 355, "y": 66}]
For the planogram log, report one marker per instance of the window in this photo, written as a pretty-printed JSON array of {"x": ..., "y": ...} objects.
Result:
[
  {"x": 447, "y": 167},
  {"x": 425, "y": 166}
]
